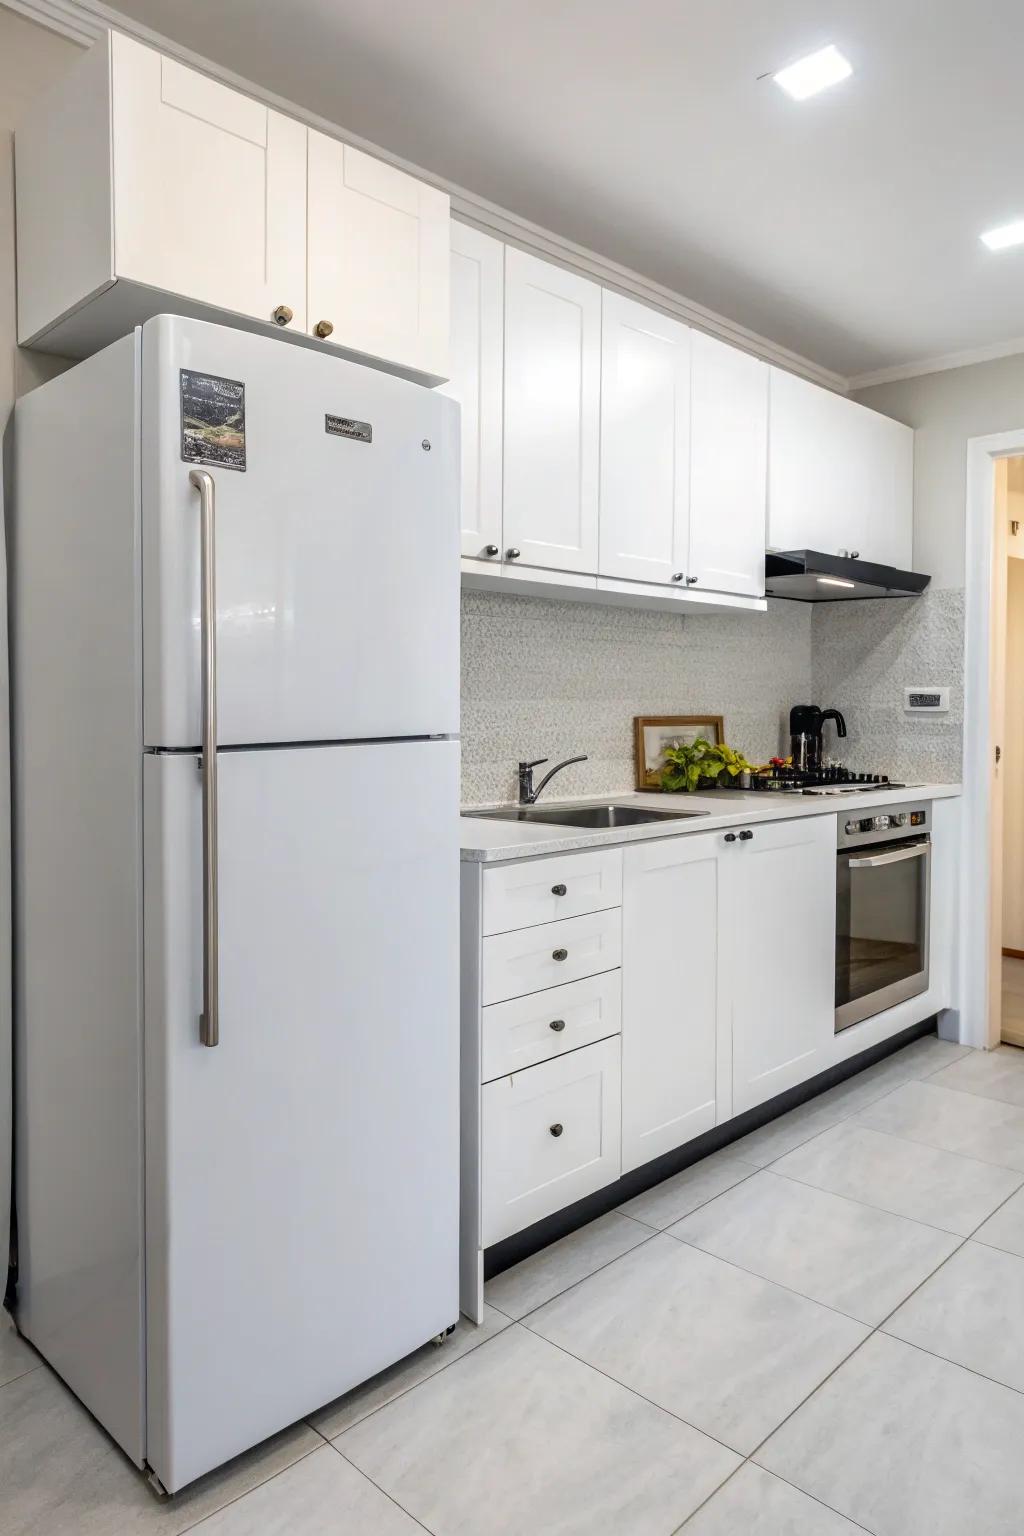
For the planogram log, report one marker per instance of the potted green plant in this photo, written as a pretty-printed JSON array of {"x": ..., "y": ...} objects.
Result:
[{"x": 701, "y": 764}]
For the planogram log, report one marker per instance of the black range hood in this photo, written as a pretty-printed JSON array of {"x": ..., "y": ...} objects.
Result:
[{"x": 811, "y": 576}]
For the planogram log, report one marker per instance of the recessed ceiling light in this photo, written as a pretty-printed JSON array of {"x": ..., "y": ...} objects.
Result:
[
  {"x": 1005, "y": 235},
  {"x": 810, "y": 75}
]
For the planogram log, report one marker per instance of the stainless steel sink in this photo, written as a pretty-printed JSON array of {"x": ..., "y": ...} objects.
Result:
[{"x": 586, "y": 814}]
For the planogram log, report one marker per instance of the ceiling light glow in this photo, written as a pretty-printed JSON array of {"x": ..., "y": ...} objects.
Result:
[
  {"x": 1003, "y": 237},
  {"x": 834, "y": 581},
  {"x": 814, "y": 73}
]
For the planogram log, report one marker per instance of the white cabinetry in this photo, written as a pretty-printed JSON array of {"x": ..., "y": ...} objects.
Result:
[
  {"x": 728, "y": 468},
  {"x": 779, "y": 895},
  {"x": 840, "y": 476},
  {"x": 645, "y": 443},
  {"x": 673, "y": 993},
  {"x": 552, "y": 415},
  {"x": 476, "y": 361},
  {"x": 185, "y": 195}
]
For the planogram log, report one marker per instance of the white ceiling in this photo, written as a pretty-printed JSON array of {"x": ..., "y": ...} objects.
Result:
[{"x": 845, "y": 228}]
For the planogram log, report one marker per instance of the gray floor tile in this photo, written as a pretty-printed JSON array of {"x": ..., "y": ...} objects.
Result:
[
  {"x": 971, "y": 1312},
  {"x": 60, "y": 1474},
  {"x": 847, "y": 1255},
  {"x": 529, "y": 1284},
  {"x": 756, "y": 1503},
  {"x": 908, "y": 1445},
  {"x": 725, "y": 1350},
  {"x": 907, "y": 1178},
  {"x": 373, "y": 1394},
  {"x": 322, "y": 1495},
  {"x": 774, "y": 1140},
  {"x": 16, "y": 1357},
  {"x": 956, "y": 1122},
  {"x": 677, "y": 1196},
  {"x": 1005, "y": 1229},
  {"x": 997, "y": 1074},
  {"x": 520, "y": 1438}
]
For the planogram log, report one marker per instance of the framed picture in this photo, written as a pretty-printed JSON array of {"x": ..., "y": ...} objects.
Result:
[{"x": 653, "y": 733}]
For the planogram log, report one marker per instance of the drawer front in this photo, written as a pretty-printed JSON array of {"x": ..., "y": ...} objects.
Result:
[
  {"x": 550, "y": 1136},
  {"x": 549, "y": 956},
  {"x": 520, "y": 895},
  {"x": 526, "y": 1030}
]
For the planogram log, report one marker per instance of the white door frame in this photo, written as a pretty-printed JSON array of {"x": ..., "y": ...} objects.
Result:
[{"x": 979, "y": 742}]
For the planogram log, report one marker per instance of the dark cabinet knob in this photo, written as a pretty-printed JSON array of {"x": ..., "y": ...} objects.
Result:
[
  {"x": 745, "y": 837},
  {"x": 559, "y": 954},
  {"x": 323, "y": 329},
  {"x": 691, "y": 581},
  {"x": 678, "y": 576},
  {"x": 556, "y": 1129},
  {"x": 730, "y": 837},
  {"x": 491, "y": 549},
  {"x": 557, "y": 1025},
  {"x": 283, "y": 315},
  {"x": 512, "y": 554},
  {"x": 558, "y": 890}
]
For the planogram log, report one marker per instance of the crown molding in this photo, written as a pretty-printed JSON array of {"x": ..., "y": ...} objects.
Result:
[
  {"x": 949, "y": 360},
  {"x": 86, "y": 20}
]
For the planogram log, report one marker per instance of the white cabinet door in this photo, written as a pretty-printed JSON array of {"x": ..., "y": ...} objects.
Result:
[
  {"x": 379, "y": 259},
  {"x": 672, "y": 993},
  {"x": 728, "y": 468},
  {"x": 779, "y": 902},
  {"x": 552, "y": 414},
  {"x": 209, "y": 188},
  {"x": 645, "y": 442},
  {"x": 840, "y": 476},
  {"x": 477, "y": 348}
]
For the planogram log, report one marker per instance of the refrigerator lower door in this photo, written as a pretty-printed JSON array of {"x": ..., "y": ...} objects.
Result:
[
  {"x": 302, "y": 1175},
  {"x": 337, "y": 542}
]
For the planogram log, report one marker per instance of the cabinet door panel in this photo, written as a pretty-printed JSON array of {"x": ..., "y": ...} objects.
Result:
[
  {"x": 728, "y": 468},
  {"x": 209, "y": 188},
  {"x": 477, "y": 353},
  {"x": 645, "y": 442},
  {"x": 672, "y": 994},
  {"x": 379, "y": 258},
  {"x": 779, "y": 902},
  {"x": 552, "y": 414},
  {"x": 889, "y": 521}
]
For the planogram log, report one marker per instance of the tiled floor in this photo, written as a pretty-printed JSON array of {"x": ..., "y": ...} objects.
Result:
[{"x": 817, "y": 1332}]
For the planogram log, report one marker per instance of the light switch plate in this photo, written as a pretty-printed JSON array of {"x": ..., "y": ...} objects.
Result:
[{"x": 924, "y": 699}]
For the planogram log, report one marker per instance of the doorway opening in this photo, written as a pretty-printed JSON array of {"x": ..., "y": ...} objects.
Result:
[{"x": 1007, "y": 985}]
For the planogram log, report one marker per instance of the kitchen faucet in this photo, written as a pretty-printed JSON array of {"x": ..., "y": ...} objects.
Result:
[{"x": 527, "y": 794}]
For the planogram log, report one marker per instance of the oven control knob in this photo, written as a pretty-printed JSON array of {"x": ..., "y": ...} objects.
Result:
[
  {"x": 852, "y": 826},
  {"x": 898, "y": 821},
  {"x": 882, "y": 823}
]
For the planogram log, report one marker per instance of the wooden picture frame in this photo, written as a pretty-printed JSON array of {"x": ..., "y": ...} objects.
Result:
[{"x": 672, "y": 729}]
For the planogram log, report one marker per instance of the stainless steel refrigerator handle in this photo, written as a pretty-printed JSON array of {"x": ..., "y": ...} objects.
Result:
[
  {"x": 209, "y": 1023},
  {"x": 896, "y": 857}
]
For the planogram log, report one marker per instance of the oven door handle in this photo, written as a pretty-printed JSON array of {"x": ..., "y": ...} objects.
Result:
[{"x": 897, "y": 856}]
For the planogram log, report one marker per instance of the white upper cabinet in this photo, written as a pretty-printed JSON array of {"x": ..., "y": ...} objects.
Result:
[
  {"x": 209, "y": 188},
  {"x": 840, "y": 476},
  {"x": 728, "y": 468},
  {"x": 187, "y": 196},
  {"x": 645, "y": 443},
  {"x": 477, "y": 347},
  {"x": 379, "y": 258},
  {"x": 552, "y": 415}
]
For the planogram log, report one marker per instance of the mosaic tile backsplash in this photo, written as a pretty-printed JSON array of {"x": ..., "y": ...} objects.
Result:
[{"x": 551, "y": 679}]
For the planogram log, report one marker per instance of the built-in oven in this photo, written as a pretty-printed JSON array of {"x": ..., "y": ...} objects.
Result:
[{"x": 882, "y": 896}]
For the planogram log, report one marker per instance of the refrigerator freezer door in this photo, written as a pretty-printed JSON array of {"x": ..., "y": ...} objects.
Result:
[
  {"x": 337, "y": 543},
  {"x": 302, "y": 1176}
]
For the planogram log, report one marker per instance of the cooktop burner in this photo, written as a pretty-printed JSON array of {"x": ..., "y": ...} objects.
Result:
[{"x": 834, "y": 780}]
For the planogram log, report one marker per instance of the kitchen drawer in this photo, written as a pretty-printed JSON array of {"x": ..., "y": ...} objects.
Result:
[
  {"x": 550, "y": 1136},
  {"x": 526, "y": 1030},
  {"x": 550, "y": 955},
  {"x": 520, "y": 895}
]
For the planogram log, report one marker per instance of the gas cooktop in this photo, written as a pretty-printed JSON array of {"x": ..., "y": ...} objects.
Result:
[{"x": 834, "y": 780}]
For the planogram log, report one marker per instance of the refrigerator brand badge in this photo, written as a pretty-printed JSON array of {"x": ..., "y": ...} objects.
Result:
[
  {"x": 212, "y": 420},
  {"x": 344, "y": 426}
]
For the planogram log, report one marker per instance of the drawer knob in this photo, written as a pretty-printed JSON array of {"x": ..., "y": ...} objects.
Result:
[
  {"x": 491, "y": 550},
  {"x": 558, "y": 890},
  {"x": 559, "y": 954},
  {"x": 512, "y": 553},
  {"x": 691, "y": 581},
  {"x": 745, "y": 837},
  {"x": 730, "y": 837},
  {"x": 323, "y": 329},
  {"x": 678, "y": 576},
  {"x": 283, "y": 315},
  {"x": 556, "y": 1129},
  {"x": 557, "y": 1025}
]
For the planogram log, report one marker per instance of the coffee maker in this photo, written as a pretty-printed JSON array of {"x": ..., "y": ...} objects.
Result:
[{"x": 806, "y": 722}]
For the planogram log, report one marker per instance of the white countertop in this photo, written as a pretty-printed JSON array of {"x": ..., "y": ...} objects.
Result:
[{"x": 489, "y": 841}]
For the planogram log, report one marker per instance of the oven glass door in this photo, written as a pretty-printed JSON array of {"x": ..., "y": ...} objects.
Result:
[{"x": 881, "y": 927}]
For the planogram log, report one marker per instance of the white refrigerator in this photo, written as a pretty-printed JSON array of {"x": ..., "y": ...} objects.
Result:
[{"x": 235, "y": 669}]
